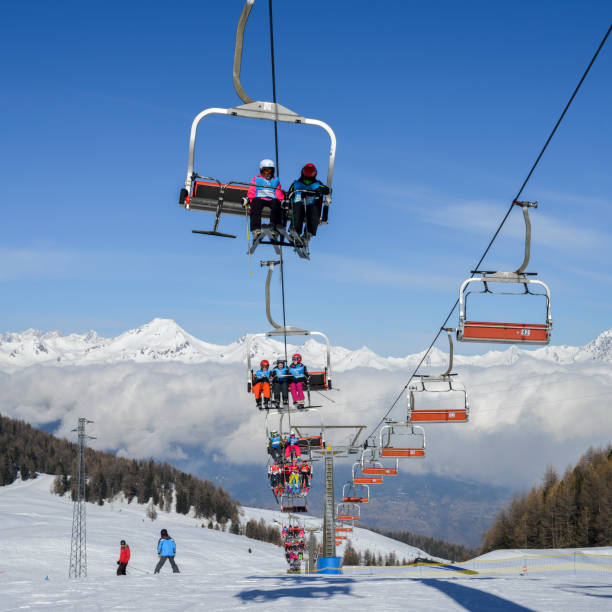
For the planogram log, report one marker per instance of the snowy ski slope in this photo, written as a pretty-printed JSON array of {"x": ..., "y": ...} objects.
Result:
[{"x": 218, "y": 572}]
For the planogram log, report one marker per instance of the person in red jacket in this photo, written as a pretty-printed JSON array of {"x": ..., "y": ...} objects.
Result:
[{"x": 124, "y": 557}]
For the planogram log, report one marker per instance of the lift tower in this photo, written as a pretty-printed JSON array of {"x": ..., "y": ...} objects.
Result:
[{"x": 78, "y": 545}]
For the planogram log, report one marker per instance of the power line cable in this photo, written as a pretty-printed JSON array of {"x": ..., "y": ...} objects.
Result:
[{"x": 503, "y": 221}]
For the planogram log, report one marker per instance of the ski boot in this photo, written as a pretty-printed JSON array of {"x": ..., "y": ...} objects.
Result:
[{"x": 258, "y": 404}]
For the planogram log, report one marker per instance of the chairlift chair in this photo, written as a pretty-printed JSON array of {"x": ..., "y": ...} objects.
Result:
[
  {"x": 348, "y": 511},
  {"x": 341, "y": 537},
  {"x": 211, "y": 195},
  {"x": 292, "y": 503},
  {"x": 508, "y": 332},
  {"x": 355, "y": 493},
  {"x": 402, "y": 440},
  {"x": 317, "y": 380},
  {"x": 444, "y": 387},
  {"x": 360, "y": 478},
  {"x": 373, "y": 467}
]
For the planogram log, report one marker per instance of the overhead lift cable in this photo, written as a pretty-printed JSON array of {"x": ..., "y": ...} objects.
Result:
[
  {"x": 282, "y": 262},
  {"x": 497, "y": 231}
]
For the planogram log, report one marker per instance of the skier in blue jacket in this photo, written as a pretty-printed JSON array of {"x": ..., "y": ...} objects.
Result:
[
  {"x": 306, "y": 198},
  {"x": 275, "y": 445},
  {"x": 166, "y": 549},
  {"x": 280, "y": 377}
]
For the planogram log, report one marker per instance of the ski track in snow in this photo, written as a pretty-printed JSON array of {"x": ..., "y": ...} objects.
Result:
[{"x": 218, "y": 573}]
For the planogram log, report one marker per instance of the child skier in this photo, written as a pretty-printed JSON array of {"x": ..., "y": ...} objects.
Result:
[
  {"x": 293, "y": 446},
  {"x": 275, "y": 446},
  {"x": 261, "y": 385},
  {"x": 280, "y": 377},
  {"x": 124, "y": 558},
  {"x": 299, "y": 374},
  {"x": 265, "y": 190},
  {"x": 305, "y": 474},
  {"x": 166, "y": 549},
  {"x": 306, "y": 198},
  {"x": 294, "y": 483}
]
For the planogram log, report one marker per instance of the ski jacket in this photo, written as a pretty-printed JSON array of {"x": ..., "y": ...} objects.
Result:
[
  {"x": 262, "y": 376},
  {"x": 275, "y": 441},
  {"x": 305, "y": 468},
  {"x": 265, "y": 189},
  {"x": 282, "y": 374},
  {"x": 293, "y": 440},
  {"x": 166, "y": 547},
  {"x": 298, "y": 192},
  {"x": 124, "y": 555},
  {"x": 298, "y": 371}
]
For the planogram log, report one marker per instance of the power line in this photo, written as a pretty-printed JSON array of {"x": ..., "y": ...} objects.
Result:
[{"x": 503, "y": 221}]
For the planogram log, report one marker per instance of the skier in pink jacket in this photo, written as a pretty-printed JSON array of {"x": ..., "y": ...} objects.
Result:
[{"x": 265, "y": 190}]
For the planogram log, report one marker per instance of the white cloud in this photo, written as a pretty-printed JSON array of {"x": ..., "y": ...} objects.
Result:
[{"x": 524, "y": 416}]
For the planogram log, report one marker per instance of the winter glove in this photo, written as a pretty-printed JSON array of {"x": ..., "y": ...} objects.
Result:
[{"x": 323, "y": 190}]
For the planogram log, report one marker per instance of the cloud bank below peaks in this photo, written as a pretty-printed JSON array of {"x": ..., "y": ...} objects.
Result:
[{"x": 159, "y": 392}]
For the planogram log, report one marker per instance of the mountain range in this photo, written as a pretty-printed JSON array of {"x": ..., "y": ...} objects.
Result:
[
  {"x": 157, "y": 391},
  {"x": 162, "y": 340}
]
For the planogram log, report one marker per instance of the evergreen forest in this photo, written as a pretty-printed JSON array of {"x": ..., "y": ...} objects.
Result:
[
  {"x": 25, "y": 450},
  {"x": 569, "y": 512}
]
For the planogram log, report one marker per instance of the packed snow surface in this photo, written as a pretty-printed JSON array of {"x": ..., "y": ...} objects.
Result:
[{"x": 219, "y": 573}]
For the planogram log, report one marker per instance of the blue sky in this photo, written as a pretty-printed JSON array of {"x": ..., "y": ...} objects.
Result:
[{"x": 439, "y": 108}]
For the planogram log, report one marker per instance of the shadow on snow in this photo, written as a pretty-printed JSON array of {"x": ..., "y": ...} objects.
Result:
[
  {"x": 306, "y": 587},
  {"x": 582, "y": 589},
  {"x": 471, "y": 599}
]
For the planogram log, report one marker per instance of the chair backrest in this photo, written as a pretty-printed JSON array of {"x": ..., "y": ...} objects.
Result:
[{"x": 317, "y": 381}]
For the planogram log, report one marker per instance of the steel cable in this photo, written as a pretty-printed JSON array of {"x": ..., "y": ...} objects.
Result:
[{"x": 503, "y": 221}]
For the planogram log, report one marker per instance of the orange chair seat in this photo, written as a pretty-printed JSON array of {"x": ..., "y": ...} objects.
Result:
[
  {"x": 379, "y": 471},
  {"x": 347, "y": 517},
  {"x": 403, "y": 452},
  {"x": 367, "y": 480},
  {"x": 509, "y": 332},
  {"x": 438, "y": 416}
]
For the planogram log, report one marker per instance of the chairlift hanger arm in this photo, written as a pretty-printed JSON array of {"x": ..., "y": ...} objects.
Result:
[
  {"x": 526, "y": 206},
  {"x": 244, "y": 16}
]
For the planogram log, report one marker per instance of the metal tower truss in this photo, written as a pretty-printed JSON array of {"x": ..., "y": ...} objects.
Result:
[{"x": 78, "y": 545}]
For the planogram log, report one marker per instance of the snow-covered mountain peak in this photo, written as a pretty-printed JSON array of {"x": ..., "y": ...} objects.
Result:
[
  {"x": 164, "y": 340},
  {"x": 600, "y": 348}
]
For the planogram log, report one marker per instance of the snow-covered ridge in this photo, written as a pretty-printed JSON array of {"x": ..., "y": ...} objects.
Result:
[{"x": 164, "y": 340}]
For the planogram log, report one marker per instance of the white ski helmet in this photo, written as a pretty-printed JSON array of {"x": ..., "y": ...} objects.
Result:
[{"x": 267, "y": 163}]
